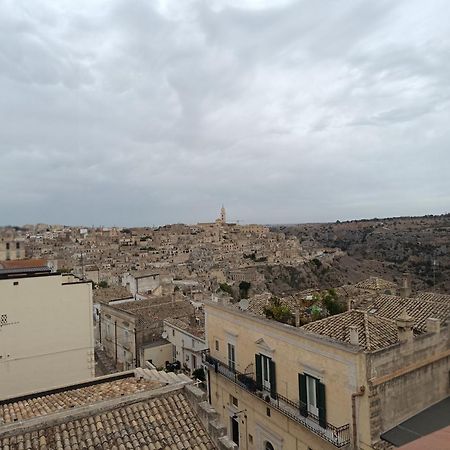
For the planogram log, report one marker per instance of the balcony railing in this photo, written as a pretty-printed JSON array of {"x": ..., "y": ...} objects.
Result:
[{"x": 338, "y": 436}]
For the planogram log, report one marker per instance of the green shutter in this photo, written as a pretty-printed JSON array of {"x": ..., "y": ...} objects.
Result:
[
  {"x": 258, "y": 372},
  {"x": 273, "y": 380},
  {"x": 320, "y": 390},
  {"x": 302, "y": 394}
]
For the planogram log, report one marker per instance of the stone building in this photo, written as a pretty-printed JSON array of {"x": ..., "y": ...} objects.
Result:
[
  {"x": 131, "y": 331},
  {"x": 341, "y": 382},
  {"x": 11, "y": 249}
]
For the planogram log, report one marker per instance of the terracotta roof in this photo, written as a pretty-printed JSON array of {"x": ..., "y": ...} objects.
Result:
[
  {"x": 23, "y": 264},
  {"x": 185, "y": 324},
  {"x": 373, "y": 332},
  {"x": 151, "y": 312},
  {"x": 46, "y": 404},
  {"x": 105, "y": 295},
  {"x": 391, "y": 306},
  {"x": 376, "y": 284},
  {"x": 433, "y": 297},
  {"x": 160, "y": 419}
]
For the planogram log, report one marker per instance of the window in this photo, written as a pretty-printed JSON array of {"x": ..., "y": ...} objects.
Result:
[
  {"x": 7, "y": 246},
  {"x": 17, "y": 245},
  {"x": 268, "y": 446},
  {"x": 173, "y": 332},
  {"x": 231, "y": 357},
  {"x": 312, "y": 397},
  {"x": 234, "y": 401},
  {"x": 265, "y": 374},
  {"x": 217, "y": 345}
]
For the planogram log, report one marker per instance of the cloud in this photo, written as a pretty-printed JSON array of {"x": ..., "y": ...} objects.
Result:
[{"x": 152, "y": 112}]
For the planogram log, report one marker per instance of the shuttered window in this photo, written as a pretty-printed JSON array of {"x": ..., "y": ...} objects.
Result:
[
  {"x": 266, "y": 374},
  {"x": 312, "y": 398}
]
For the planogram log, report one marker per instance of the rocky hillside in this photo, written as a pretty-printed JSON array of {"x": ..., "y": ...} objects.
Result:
[{"x": 379, "y": 247}]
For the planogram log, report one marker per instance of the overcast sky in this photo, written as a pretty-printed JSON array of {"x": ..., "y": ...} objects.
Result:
[{"x": 148, "y": 112}]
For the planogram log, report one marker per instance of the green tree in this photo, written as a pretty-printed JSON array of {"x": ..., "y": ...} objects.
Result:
[
  {"x": 244, "y": 287},
  {"x": 278, "y": 312}
]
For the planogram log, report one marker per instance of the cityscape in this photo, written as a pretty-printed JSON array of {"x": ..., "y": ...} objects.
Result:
[{"x": 224, "y": 225}]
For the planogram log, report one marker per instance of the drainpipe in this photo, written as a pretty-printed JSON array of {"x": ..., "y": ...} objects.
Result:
[
  {"x": 115, "y": 339},
  {"x": 360, "y": 393}
]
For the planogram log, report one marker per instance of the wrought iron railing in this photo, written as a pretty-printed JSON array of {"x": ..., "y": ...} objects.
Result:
[{"x": 338, "y": 436}]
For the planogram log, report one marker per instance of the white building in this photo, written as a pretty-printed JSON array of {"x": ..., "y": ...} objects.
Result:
[
  {"x": 46, "y": 330},
  {"x": 187, "y": 335}
]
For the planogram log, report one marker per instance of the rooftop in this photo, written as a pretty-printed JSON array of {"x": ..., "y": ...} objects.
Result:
[
  {"x": 40, "y": 405},
  {"x": 185, "y": 323},
  {"x": 119, "y": 418},
  {"x": 153, "y": 310},
  {"x": 105, "y": 295},
  {"x": 391, "y": 306},
  {"x": 374, "y": 332}
]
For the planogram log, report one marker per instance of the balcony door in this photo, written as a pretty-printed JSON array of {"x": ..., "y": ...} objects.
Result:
[
  {"x": 235, "y": 430},
  {"x": 311, "y": 395},
  {"x": 265, "y": 374},
  {"x": 231, "y": 357},
  {"x": 312, "y": 398}
]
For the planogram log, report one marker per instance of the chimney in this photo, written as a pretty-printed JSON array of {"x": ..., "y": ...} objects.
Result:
[
  {"x": 354, "y": 335},
  {"x": 405, "y": 327},
  {"x": 405, "y": 290},
  {"x": 297, "y": 317},
  {"x": 433, "y": 325}
]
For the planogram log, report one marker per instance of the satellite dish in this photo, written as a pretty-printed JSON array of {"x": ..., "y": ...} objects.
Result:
[
  {"x": 164, "y": 335},
  {"x": 244, "y": 304}
]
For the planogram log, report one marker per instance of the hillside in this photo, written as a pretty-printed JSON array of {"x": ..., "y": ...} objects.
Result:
[{"x": 381, "y": 247}]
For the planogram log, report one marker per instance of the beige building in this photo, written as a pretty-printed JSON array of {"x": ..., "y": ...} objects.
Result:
[
  {"x": 46, "y": 330},
  {"x": 131, "y": 331},
  {"x": 340, "y": 382},
  {"x": 11, "y": 249}
]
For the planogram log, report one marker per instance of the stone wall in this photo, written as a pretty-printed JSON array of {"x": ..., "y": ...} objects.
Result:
[{"x": 406, "y": 379}]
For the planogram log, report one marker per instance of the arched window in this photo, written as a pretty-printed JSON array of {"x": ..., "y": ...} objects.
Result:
[{"x": 268, "y": 446}]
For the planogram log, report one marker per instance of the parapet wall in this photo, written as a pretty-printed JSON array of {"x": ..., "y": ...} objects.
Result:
[{"x": 407, "y": 378}]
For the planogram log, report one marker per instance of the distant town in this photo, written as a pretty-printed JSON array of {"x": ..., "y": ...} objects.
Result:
[{"x": 223, "y": 335}]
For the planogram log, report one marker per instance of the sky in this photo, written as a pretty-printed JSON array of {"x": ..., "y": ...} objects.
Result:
[{"x": 134, "y": 113}]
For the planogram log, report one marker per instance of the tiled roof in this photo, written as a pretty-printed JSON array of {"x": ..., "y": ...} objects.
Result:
[
  {"x": 373, "y": 332},
  {"x": 391, "y": 306},
  {"x": 151, "y": 312},
  {"x": 23, "y": 264},
  {"x": 164, "y": 422},
  {"x": 105, "y": 295},
  {"x": 433, "y": 297},
  {"x": 377, "y": 284},
  {"x": 184, "y": 323},
  {"x": 130, "y": 413},
  {"x": 47, "y": 404}
]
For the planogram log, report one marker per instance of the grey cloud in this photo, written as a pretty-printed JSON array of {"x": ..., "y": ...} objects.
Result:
[{"x": 149, "y": 112}]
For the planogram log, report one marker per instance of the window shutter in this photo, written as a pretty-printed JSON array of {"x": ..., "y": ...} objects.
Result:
[
  {"x": 258, "y": 371},
  {"x": 302, "y": 394},
  {"x": 320, "y": 389},
  {"x": 273, "y": 381}
]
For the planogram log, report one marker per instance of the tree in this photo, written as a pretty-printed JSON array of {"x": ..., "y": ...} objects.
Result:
[
  {"x": 226, "y": 288},
  {"x": 244, "y": 287},
  {"x": 278, "y": 312}
]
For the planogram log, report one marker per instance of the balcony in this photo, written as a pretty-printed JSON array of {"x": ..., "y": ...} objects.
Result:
[{"x": 338, "y": 436}]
